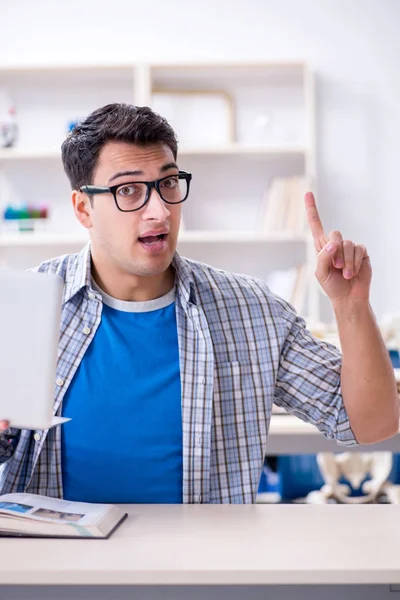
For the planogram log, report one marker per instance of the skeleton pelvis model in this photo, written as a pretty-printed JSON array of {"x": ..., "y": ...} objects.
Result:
[{"x": 355, "y": 467}]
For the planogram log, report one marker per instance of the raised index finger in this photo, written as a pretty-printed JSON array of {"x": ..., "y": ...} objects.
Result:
[{"x": 314, "y": 221}]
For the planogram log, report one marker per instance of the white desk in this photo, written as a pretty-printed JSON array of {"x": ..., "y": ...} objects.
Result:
[
  {"x": 290, "y": 435},
  {"x": 216, "y": 551}
]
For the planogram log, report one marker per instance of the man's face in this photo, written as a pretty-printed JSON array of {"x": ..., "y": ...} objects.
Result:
[{"x": 119, "y": 237}]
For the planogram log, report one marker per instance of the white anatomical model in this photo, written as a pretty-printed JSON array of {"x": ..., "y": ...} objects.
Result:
[{"x": 354, "y": 467}]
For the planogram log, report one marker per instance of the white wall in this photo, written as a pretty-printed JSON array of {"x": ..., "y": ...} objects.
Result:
[{"x": 352, "y": 44}]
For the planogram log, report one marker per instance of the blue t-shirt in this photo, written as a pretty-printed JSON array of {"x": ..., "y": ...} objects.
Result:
[{"x": 124, "y": 442}]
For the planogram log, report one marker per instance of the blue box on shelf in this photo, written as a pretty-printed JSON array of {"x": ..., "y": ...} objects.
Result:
[{"x": 395, "y": 358}]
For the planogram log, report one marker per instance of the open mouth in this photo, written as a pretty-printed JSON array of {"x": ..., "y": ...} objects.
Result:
[
  {"x": 154, "y": 244},
  {"x": 153, "y": 239}
]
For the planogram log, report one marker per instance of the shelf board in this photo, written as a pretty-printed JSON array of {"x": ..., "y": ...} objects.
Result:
[
  {"x": 219, "y": 75},
  {"x": 42, "y": 238},
  {"x": 238, "y": 149},
  {"x": 247, "y": 237},
  {"x": 29, "y": 239},
  {"x": 12, "y": 154},
  {"x": 73, "y": 67}
]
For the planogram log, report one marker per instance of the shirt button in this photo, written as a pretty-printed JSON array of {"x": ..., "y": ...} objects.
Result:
[
  {"x": 202, "y": 381},
  {"x": 198, "y": 442},
  {"x": 86, "y": 330},
  {"x": 60, "y": 382},
  {"x": 198, "y": 498},
  {"x": 37, "y": 437},
  {"x": 92, "y": 296}
]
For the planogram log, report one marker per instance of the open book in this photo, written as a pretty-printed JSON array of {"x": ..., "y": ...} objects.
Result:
[{"x": 31, "y": 515}]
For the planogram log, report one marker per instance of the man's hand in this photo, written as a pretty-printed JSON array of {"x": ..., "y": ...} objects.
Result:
[
  {"x": 3, "y": 426},
  {"x": 367, "y": 382},
  {"x": 343, "y": 267}
]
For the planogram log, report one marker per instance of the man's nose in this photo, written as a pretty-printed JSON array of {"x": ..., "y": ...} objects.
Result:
[{"x": 156, "y": 207}]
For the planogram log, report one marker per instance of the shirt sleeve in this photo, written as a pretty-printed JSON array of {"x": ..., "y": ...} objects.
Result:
[{"x": 308, "y": 381}]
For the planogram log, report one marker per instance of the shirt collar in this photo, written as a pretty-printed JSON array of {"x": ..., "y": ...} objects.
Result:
[
  {"x": 79, "y": 276},
  {"x": 185, "y": 280}
]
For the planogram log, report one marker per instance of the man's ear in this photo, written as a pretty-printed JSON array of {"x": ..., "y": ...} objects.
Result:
[{"x": 82, "y": 208}]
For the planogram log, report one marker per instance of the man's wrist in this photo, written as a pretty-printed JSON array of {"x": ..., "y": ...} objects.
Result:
[{"x": 352, "y": 308}]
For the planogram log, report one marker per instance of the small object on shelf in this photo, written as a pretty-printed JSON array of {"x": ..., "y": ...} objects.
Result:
[
  {"x": 263, "y": 126},
  {"x": 9, "y": 129},
  {"x": 394, "y": 357},
  {"x": 24, "y": 218},
  {"x": 71, "y": 125}
]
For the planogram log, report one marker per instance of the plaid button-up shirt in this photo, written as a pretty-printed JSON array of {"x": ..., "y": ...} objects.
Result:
[{"x": 241, "y": 349}]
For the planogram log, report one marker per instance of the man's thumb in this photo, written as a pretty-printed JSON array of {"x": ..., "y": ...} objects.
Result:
[{"x": 324, "y": 262}]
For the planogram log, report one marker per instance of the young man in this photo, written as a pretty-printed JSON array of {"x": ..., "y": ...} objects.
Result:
[{"x": 169, "y": 368}]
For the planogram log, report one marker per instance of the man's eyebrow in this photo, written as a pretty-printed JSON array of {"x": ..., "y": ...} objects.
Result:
[
  {"x": 164, "y": 168},
  {"x": 123, "y": 174},
  {"x": 171, "y": 165}
]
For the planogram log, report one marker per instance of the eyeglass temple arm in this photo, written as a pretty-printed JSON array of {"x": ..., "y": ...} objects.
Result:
[{"x": 93, "y": 189}]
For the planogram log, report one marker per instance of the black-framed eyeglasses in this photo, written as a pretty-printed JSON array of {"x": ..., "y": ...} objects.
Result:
[{"x": 173, "y": 189}]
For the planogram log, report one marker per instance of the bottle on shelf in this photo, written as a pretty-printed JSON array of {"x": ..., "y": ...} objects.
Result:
[{"x": 9, "y": 129}]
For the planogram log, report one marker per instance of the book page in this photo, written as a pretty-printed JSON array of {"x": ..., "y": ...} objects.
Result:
[{"x": 43, "y": 508}]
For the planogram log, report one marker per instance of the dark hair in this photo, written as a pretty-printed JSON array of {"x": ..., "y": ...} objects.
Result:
[{"x": 113, "y": 122}]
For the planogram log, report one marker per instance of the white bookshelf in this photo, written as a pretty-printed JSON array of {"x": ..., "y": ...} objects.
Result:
[{"x": 222, "y": 214}]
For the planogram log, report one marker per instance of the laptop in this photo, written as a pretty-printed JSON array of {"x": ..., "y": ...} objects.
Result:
[{"x": 30, "y": 313}]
